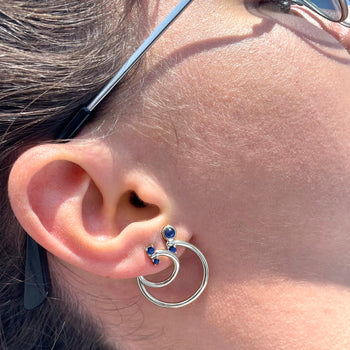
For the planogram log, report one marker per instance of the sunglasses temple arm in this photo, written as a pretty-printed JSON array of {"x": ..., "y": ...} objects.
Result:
[
  {"x": 37, "y": 278},
  {"x": 84, "y": 113},
  {"x": 140, "y": 52}
]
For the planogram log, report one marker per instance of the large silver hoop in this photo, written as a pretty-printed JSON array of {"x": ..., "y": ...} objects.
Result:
[{"x": 169, "y": 234}]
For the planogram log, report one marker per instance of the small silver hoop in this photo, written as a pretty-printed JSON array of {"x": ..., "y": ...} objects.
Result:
[
  {"x": 142, "y": 280},
  {"x": 171, "y": 243}
]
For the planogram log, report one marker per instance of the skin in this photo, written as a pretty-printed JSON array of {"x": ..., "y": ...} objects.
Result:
[{"x": 239, "y": 137}]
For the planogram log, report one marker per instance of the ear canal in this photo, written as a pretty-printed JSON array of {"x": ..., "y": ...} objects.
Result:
[{"x": 132, "y": 208}]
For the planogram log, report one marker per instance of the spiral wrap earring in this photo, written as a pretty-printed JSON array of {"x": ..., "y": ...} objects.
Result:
[{"x": 169, "y": 234}]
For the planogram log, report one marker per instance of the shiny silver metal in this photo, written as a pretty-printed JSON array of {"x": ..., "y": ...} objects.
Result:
[{"x": 143, "y": 282}]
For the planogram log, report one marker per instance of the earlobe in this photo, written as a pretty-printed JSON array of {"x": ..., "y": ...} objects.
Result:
[{"x": 88, "y": 208}]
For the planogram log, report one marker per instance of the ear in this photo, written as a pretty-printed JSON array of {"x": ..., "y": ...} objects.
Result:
[{"x": 90, "y": 207}]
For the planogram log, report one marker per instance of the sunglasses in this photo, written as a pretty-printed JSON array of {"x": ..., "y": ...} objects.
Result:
[
  {"x": 333, "y": 10},
  {"x": 37, "y": 285}
]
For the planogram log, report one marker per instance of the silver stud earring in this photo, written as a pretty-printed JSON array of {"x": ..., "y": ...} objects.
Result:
[{"x": 169, "y": 234}]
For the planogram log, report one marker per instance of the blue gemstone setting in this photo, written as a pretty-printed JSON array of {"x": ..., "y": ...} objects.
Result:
[
  {"x": 150, "y": 250},
  {"x": 169, "y": 232},
  {"x": 172, "y": 249}
]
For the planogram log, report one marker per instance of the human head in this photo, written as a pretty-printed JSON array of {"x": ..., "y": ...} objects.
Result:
[{"x": 235, "y": 151}]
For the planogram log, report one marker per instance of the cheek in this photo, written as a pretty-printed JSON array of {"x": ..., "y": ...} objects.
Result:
[
  {"x": 270, "y": 108},
  {"x": 282, "y": 315},
  {"x": 254, "y": 122},
  {"x": 275, "y": 99}
]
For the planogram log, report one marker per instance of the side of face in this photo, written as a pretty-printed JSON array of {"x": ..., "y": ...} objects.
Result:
[
  {"x": 252, "y": 141},
  {"x": 238, "y": 137}
]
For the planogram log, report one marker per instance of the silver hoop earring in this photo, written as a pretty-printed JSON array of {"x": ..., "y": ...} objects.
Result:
[{"x": 169, "y": 234}]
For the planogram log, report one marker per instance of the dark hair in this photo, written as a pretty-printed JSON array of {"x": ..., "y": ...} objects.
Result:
[{"x": 54, "y": 56}]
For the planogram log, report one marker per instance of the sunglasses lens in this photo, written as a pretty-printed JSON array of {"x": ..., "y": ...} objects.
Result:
[
  {"x": 330, "y": 9},
  {"x": 347, "y": 19}
]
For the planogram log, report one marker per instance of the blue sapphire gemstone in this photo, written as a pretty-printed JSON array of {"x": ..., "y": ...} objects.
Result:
[
  {"x": 150, "y": 250},
  {"x": 169, "y": 232},
  {"x": 156, "y": 261},
  {"x": 172, "y": 249}
]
